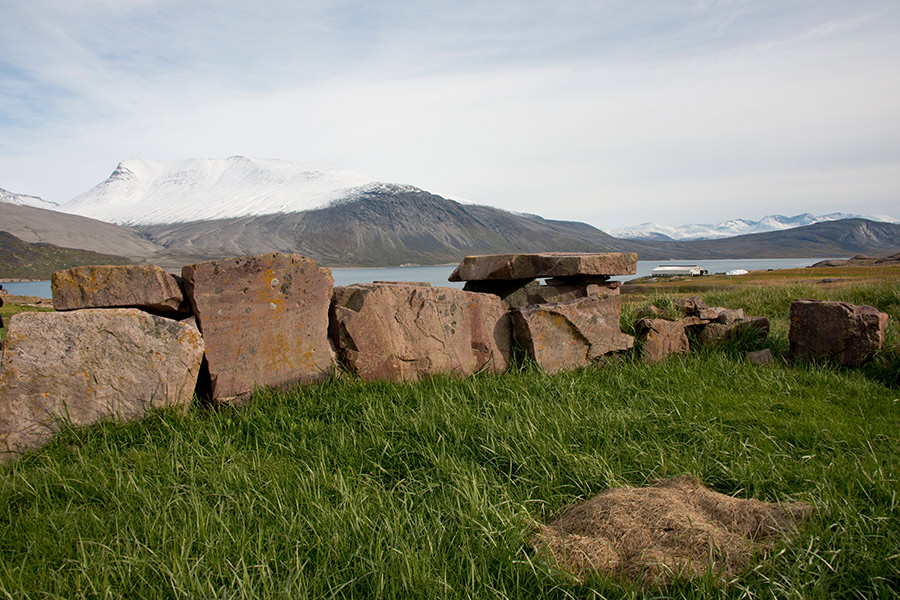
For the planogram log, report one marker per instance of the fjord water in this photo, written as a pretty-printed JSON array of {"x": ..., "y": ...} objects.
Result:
[{"x": 437, "y": 275}]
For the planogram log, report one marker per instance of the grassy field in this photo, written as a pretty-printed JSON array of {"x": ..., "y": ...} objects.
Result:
[{"x": 432, "y": 490}]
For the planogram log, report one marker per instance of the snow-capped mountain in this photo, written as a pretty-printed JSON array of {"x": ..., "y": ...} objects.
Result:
[
  {"x": 143, "y": 192},
  {"x": 733, "y": 227},
  {"x": 26, "y": 200}
]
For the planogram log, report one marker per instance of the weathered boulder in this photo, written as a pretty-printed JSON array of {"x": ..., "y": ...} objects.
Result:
[
  {"x": 755, "y": 327},
  {"x": 661, "y": 339},
  {"x": 570, "y": 334},
  {"x": 398, "y": 332},
  {"x": 147, "y": 287},
  {"x": 90, "y": 365},
  {"x": 545, "y": 264},
  {"x": 264, "y": 319},
  {"x": 846, "y": 333}
]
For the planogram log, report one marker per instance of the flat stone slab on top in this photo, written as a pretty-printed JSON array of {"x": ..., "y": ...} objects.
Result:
[{"x": 544, "y": 264}]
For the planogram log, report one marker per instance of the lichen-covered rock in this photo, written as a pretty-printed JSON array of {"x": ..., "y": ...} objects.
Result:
[
  {"x": 264, "y": 319},
  {"x": 661, "y": 339},
  {"x": 570, "y": 334},
  {"x": 840, "y": 331},
  {"x": 544, "y": 264},
  {"x": 147, "y": 287},
  {"x": 399, "y": 332},
  {"x": 90, "y": 365}
]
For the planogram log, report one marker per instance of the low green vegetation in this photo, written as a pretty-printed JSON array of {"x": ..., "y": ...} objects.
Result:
[{"x": 433, "y": 489}]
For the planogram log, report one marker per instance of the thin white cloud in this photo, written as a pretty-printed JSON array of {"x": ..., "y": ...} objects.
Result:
[{"x": 612, "y": 112}]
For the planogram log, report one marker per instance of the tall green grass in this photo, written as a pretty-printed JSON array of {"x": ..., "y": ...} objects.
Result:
[{"x": 431, "y": 490}]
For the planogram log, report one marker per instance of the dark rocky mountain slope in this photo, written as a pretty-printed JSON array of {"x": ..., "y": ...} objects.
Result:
[
  {"x": 395, "y": 225},
  {"x": 383, "y": 227}
]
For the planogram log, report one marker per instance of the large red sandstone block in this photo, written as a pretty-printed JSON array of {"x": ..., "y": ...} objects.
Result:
[
  {"x": 570, "y": 334},
  {"x": 840, "y": 331},
  {"x": 544, "y": 264},
  {"x": 403, "y": 332},
  {"x": 264, "y": 319},
  {"x": 90, "y": 365},
  {"x": 139, "y": 286}
]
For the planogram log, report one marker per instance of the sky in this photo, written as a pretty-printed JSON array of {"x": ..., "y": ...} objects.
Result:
[{"x": 610, "y": 112}]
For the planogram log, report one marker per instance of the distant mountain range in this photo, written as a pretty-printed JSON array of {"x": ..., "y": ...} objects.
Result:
[
  {"x": 177, "y": 213},
  {"x": 143, "y": 192},
  {"x": 733, "y": 227},
  {"x": 26, "y": 200}
]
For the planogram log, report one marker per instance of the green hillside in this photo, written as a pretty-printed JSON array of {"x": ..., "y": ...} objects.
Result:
[{"x": 22, "y": 260}]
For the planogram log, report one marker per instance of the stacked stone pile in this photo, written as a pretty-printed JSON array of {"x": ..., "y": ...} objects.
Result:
[
  {"x": 105, "y": 355},
  {"x": 570, "y": 320},
  {"x": 663, "y": 337}
]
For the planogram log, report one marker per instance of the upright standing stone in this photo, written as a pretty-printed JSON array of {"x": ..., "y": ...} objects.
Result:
[
  {"x": 401, "y": 332},
  {"x": 146, "y": 287},
  {"x": 90, "y": 365},
  {"x": 544, "y": 264},
  {"x": 264, "y": 319},
  {"x": 840, "y": 331},
  {"x": 570, "y": 334}
]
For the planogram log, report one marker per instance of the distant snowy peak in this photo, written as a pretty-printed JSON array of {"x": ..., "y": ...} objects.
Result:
[
  {"x": 25, "y": 200},
  {"x": 143, "y": 192},
  {"x": 733, "y": 227}
]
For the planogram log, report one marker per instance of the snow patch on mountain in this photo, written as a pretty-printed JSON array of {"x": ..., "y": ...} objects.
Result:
[
  {"x": 144, "y": 192},
  {"x": 733, "y": 227},
  {"x": 26, "y": 200}
]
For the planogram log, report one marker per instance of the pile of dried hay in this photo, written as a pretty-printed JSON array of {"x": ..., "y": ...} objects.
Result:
[{"x": 676, "y": 527}]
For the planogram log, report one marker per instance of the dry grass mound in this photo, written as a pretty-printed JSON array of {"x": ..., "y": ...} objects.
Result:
[{"x": 676, "y": 527}]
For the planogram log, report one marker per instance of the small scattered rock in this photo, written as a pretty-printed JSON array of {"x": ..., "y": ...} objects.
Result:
[
  {"x": 690, "y": 307},
  {"x": 761, "y": 357},
  {"x": 729, "y": 316},
  {"x": 757, "y": 327},
  {"x": 661, "y": 339},
  {"x": 647, "y": 311}
]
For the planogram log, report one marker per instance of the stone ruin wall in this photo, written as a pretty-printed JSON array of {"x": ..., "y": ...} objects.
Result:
[{"x": 130, "y": 339}]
